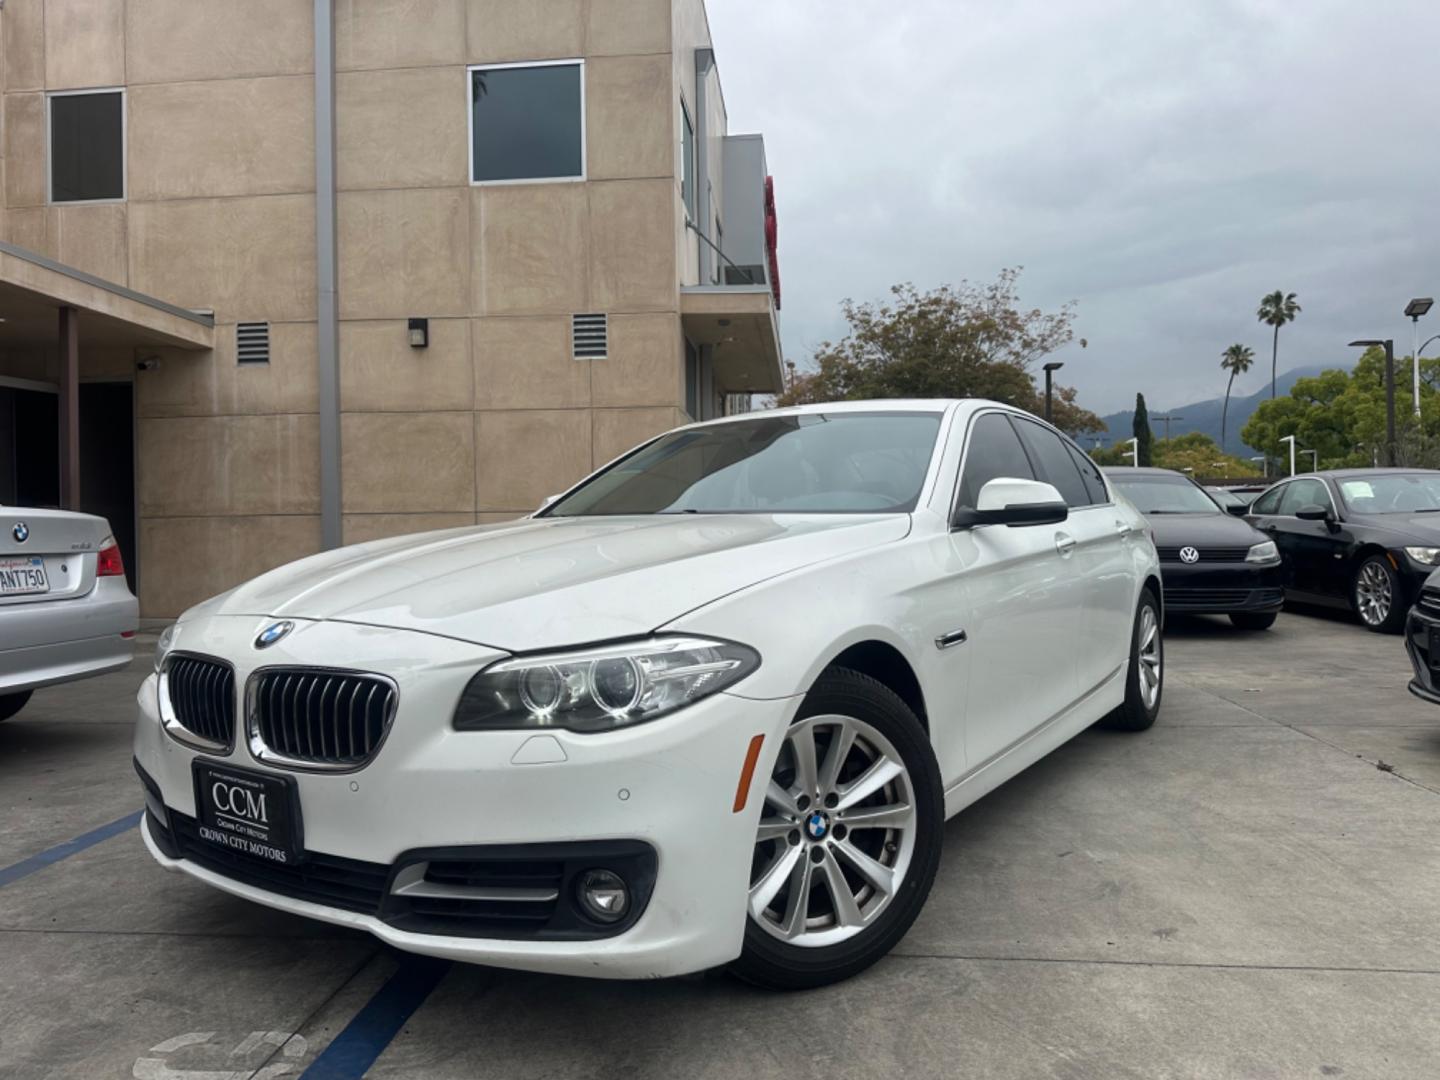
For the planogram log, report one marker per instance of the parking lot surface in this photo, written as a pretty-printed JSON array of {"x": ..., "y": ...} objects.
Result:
[{"x": 1250, "y": 889}]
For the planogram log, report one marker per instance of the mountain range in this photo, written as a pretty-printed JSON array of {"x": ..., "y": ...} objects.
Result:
[{"x": 1204, "y": 416}]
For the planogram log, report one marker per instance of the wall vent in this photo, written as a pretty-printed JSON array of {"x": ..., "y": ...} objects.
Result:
[
  {"x": 590, "y": 336},
  {"x": 252, "y": 343}
]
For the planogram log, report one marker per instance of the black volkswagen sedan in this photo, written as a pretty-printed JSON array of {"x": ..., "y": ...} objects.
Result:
[
  {"x": 1359, "y": 538},
  {"x": 1210, "y": 563}
]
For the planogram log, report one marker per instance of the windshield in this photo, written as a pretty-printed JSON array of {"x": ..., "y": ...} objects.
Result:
[
  {"x": 1391, "y": 493},
  {"x": 811, "y": 463},
  {"x": 1164, "y": 495}
]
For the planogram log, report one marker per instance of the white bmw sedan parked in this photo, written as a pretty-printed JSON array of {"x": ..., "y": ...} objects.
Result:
[{"x": 711, "y": 706}]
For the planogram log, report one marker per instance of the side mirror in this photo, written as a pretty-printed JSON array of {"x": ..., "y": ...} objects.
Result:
[
  {"x": 1314, "y": 512},
  {"x": 1239, "y": 510},
  {"x": 546, "y": 502},
  {"x": 1006, "y": 501}
]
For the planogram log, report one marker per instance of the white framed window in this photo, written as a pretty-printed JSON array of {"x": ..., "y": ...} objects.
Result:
[
  {"x": 85, "y": 145},
  {"x": 687, "y": 163},
  {"x": 527, "y": 122}
]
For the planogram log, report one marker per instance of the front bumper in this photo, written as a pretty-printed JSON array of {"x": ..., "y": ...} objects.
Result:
[
  {"x": 1426, "y": 662},
  {"x": 1205, "y": 588},
  {"x": 64, "y": 640},
  {"x": 668, "y": 786}
]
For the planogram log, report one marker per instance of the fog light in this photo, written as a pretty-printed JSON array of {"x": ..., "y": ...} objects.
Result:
[{"x": 604, "y": 896}]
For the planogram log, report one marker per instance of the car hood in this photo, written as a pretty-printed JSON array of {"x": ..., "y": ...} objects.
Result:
[
  {"x": 550, "y": 582},
  {"x": 1419, "y": 529},
  {"x": 1200, "y": 530}
]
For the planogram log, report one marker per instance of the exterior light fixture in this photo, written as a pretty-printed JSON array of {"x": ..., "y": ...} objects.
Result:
[
  {"x": 1050, "y": 369},
  {"x": 1417, "y": 307},
  {"x": 419, "y": 333}
]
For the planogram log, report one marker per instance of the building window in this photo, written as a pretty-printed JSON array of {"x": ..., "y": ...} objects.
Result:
[
  {"x": 86, "y": 146},
  {"x": 687, "y": 165},
  {"x": 527, "y": 122}
]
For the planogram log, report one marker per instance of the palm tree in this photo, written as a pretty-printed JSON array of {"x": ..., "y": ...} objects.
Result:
[
  {"x": 1236, "y": 360},
  {"x": 1276, "y": 309}
]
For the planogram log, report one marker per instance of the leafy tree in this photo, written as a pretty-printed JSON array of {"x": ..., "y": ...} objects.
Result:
[
  {"x": 1341, "y": 414},
  {"x": 1197, "y": 452},
  {"x": 1276, "y": 309},
  {"x": 955, "y": 341},
  {"x": 1236, "y": 360},
  {"x": 1141, "y": 429}
]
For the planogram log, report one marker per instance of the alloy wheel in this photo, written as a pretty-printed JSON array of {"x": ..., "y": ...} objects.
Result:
[
  {"x": 1147, "y": 671},
  {"x": 836, "y": 834},
  {"x": 1373, "y": 594}
]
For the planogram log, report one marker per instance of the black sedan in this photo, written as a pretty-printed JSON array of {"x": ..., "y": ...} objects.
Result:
[
  {"x": 1210, "y": 563},
  {"x": 1359, "y": 538}
]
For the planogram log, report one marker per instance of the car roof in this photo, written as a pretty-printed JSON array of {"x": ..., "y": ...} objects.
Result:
[
  {"x": 1373, "y": 471},
  {"x": 1142, "y": 470}
]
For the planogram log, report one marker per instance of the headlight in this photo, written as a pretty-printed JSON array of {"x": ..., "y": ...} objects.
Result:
[
  {"x": 1264, "y": 552},
  {"x": 166, "y": 643},
  {"x": 603, "y": 688},
  {"x": 1428, "y": 556}
]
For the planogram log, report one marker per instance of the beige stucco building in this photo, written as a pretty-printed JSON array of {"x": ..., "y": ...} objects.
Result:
[{"x": 210, "y": 322}]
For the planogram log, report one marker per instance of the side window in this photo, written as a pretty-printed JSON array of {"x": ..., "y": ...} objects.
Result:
[
  {"x": 1269, "y": 503},
  {"x": 1304, "y": 493},
  {"x": 994, "y": 451},
  {"x": 1054, "y": 463},
  {"x": 1090, "y": 474}
]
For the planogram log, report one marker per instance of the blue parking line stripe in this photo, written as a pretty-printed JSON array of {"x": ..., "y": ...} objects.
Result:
[
  {"x": 25, "y": 867},
  {"x": 352, "y": 1052}
]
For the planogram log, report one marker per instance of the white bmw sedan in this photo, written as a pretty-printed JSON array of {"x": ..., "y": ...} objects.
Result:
[{"x": 711, "y": 706}]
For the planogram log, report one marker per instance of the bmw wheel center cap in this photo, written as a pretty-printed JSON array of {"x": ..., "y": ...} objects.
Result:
[
  {"x": 273, "y": 633},
  {"x": 817, "y": 825},
  {"x": 21, "y": 532}
]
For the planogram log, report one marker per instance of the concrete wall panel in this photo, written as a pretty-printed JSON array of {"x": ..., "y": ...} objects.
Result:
[
  {"x": 397, "y": 129},
  {"x": 404, "y": 253},
  {"x": 24, "y": 148},
  {"x": 222, "y": 137},
  {"x": 498, "y": 31},
  {"x": 632, "y": 246},
  {"x": 527, "y": 363},
  {"x": 629, "y": 117},
  {"x": 398, "y": 33},
  {"x": 186, "y": 560},
  {"x": 531, "y": 250},
  {"x": 248, "y": 258},
  {"x": 522, "y": 457},
  {"x": 176, "y": 40},
  {"x": 187, "y": 383},
  {"x": 619, "y": 430},
  {"x": 408, "y": 462},
  {"x": 644, "y": 366},
  {"x": 626, "y": 27},
  {"x": 84, "y": 43},
  {"x": 380, "y": 372},
  {"x": 228, "y": 465},
  {"x": 24, "y": 31}
]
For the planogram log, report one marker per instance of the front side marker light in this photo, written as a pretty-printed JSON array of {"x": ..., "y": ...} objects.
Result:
[{"x": 747, "y": 773}]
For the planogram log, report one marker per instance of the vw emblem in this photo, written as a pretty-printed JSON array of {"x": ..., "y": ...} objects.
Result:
[
  {"x": 817, "y": 825},
  {"x": 273, "y": 633},
  {"x": 21, "y": 532},
  {"x": 1189, "y": 554}
]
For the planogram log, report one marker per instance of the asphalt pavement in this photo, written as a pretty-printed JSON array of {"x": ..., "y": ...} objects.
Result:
[{"x": 1250, "y": 889}]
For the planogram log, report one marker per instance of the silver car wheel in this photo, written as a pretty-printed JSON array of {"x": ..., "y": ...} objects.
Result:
[
  {"x": 836, "y": 833},
  {"x": 1148, "y": 670},
  {"x": 1372, "y": 594}
]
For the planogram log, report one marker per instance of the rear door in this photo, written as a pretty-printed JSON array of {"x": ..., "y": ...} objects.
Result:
[{"x": 1100, "y": 561}]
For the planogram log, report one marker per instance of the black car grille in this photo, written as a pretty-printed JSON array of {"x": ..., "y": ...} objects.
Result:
[
  {"x": 523, "y": 897},
  {"x": 1220, "y": 599},
  {"x": 321, "y": 879},
  {"x": 202, "y": 697},
  {"x": 1429, "y": 601},
  {"x": 333, "y": 719},
  {"x": 1207, "y": 554}
]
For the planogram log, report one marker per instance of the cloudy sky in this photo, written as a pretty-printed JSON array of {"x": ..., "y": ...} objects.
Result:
[{"x": 1164, "y": 163}]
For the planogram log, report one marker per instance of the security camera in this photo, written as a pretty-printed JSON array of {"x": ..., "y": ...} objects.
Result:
[{"x": 150, "y": 363}]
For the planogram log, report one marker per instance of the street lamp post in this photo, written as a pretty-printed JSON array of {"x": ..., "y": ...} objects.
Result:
[
  {"x": 1291, "y": 440},
  {"x": 1134, "y": 451},
  {"x": 1166, "y": 420},
  {"x": 1391, "y": 457},
  {"x": 1264, "y": 460},
  {"x": 1417, "y": 307},
  {"x": 1050, "y": 369},
  {"x": 1314, "y": 459}
]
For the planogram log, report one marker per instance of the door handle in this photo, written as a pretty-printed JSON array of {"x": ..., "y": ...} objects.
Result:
[
  {"x": 1122, "y": 530},
  {"x": 1064, "y": 544}
]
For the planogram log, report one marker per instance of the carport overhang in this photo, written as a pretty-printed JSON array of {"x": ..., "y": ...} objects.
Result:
[
  {"x": 738, "y": 324},
  {"x": 47, "y": 305}
]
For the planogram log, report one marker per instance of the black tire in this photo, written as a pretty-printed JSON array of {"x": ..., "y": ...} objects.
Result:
[
  {"x": 1136, "y": 714},
  {"x": 779, "y": 965},
  {"x": 10, "y": 704},
  {"x": 1369, "y": 575},
  {"x": 1253, "y": 620}
]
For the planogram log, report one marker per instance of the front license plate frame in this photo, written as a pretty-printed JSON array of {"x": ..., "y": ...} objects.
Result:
[{"x": 249, "y": 813}]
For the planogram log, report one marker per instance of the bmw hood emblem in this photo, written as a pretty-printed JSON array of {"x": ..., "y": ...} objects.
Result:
[
  {"x": 1189, "y": 555},
  {"x": 273, "y": 633},
  {"x": 21, "y": 532}
]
